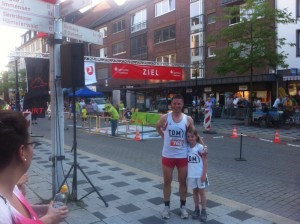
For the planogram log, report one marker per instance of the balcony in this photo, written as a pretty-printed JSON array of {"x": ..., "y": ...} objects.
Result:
[{"x": 229, "y": 2}]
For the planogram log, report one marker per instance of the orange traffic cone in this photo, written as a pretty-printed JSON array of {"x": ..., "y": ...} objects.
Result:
[
  {"x": 234, "y": 133},
  {"x": 276, "y": 137},
  {"x": 137, "y": 135}
]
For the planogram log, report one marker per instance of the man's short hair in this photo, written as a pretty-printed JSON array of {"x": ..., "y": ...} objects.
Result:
[{"x": 178, "y": 96}]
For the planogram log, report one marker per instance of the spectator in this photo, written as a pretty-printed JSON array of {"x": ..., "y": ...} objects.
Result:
[
  {"x": 112, "y": 111},
  {"x": 15, "y": 160},
  {"x": 277, "y": 102}
]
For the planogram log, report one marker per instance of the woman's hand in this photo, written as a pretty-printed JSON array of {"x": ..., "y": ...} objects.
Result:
[{"x": 55, "y": 215}]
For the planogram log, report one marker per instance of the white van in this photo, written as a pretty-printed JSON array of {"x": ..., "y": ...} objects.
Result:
[{"x": 100, "y": 104}]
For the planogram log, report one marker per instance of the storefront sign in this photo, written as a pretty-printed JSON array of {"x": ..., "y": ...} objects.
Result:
[
  {"x": 207, "y": 89},
  {"x": 244, "y": 87},
  {"x": 128, "y": 71},
  {"x": 290, "y": 78}
]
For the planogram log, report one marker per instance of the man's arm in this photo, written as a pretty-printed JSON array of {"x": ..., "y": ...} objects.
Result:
[{"x": 160, "y": 124}]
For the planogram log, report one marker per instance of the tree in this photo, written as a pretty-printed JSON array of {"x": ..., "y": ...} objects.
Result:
[
  {"x": 9, "y": 82},
  {"x": 252, "y": 39}
]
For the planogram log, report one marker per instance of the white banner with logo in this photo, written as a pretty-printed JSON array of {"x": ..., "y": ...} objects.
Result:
[{"x": 89, "y": 73}]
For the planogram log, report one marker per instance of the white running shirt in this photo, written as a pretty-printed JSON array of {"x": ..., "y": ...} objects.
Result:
[
  {"x": 195, "y": 162},
  {"x": 175, "y": 143}
]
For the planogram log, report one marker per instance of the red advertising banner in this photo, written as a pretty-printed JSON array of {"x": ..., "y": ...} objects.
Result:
[{"x": 128, "y": 71}]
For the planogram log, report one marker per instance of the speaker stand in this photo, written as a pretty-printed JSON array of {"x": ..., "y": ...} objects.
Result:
[{"x": 76, "y": 166}]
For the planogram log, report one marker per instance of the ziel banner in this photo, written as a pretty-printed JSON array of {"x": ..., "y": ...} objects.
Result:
[{"x": 128, "y": 71}]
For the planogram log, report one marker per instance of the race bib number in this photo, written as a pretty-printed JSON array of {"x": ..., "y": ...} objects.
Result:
[{"x": 177, "y": 143}]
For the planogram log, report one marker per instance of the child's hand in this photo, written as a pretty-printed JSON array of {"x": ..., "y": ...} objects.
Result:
[{"x": 203, "y": 178}]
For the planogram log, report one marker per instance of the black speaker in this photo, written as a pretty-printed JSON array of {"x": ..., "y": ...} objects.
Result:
[{"x": 72, "y": 65}]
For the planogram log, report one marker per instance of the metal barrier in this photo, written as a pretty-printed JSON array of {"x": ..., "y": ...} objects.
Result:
[{"x": 235, "y": 113}]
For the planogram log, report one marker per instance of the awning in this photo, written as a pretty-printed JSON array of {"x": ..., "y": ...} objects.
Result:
[{"x": 291, "y": 78}]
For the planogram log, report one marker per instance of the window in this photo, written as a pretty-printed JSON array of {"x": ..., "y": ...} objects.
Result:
[
  {"x": 119, "y": 48},
  {"x": 197, "y": 71},
  {"x": 235, "y": 18},
  {"x": 211, "y": 51},
  {"x": 298, "y": 43},
  {"x": 102, "y": 73},
  {"x": 103, "y": 31},
  {"x": 139, "y": 21},
  {"x": 170, "y": 58},
  {"x": 118, "y": 26},
  {"x": 244, "y": 49},
  {"x": 164, "y": 7},
  {"x": 138, "y": 47},
  {"x": 164, "y": 34},
  {"x": 103, "y": 52},
  {"x": 211, "y": 18}
]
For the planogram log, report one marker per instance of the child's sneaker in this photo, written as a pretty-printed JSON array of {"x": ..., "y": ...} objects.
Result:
[
  {"x": 196, "y": 213},
  {"x": 203, "y": 216},
  {"x": 166, "y": 213},
  {"x": 184, "y": 213}
]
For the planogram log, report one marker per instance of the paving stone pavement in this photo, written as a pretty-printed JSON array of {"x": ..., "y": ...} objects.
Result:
[{"x": 133, "y": 196}]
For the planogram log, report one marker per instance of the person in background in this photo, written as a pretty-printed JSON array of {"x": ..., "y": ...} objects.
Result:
[
  {"x": 95, "y": 107},
  {"x": 197, "y": 168},
  {"x": 84, "y": 116},
  {"x": 114, "y": 118},
  {"x": 288, "y": 107},
  {"x": 121, "y": 108},
  {"x": 77, "y": 109},
  {"x": 15, "y": 159},
  {"x": 213, "y": 100},
  {"x": 172, "y": 128},
  {"x": 208, "y": 106},
  {"x": 277, "y": 102},
  {"x": 257, "y": 104}
]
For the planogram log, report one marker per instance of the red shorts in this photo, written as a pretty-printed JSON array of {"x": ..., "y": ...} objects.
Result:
[{"x": 172, "y": 162}]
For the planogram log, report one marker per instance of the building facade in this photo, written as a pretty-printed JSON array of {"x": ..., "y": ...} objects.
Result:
[{"x": 175, "y": 31}]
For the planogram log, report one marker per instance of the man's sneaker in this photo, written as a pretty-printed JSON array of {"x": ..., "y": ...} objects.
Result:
[
  {"x": 196, "y": 214},
  {"x": 166, "y": 213},
  {"x": 184, "y": 213},
  {"x": 203, "y": 216}
]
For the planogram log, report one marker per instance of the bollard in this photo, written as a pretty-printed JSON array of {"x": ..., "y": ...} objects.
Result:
[{"x": 241, "y": 143}]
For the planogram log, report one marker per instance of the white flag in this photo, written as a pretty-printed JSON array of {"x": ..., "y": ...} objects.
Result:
[{"x": 89, "y": 73}]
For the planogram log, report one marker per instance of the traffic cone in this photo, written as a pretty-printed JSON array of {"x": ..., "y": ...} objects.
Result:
[
  {"x": 276, "y": 137},
  {"x": 137, "y": 135},
  {"x": 234, "y": 133}
]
